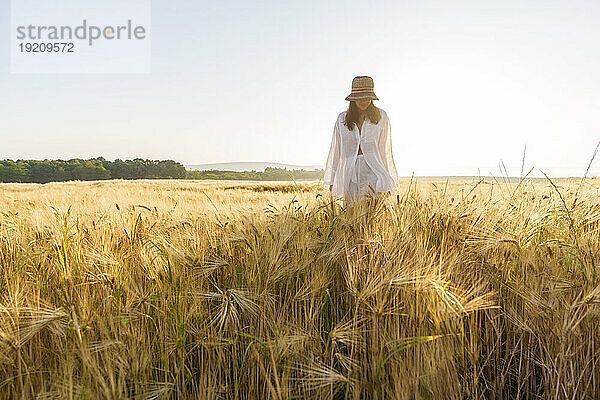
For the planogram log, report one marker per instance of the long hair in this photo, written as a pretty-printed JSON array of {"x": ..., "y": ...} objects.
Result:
[{"x": 352, "y": 114}]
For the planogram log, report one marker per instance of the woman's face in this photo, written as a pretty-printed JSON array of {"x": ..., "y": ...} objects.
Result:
[{"x": 363, "y": 104}]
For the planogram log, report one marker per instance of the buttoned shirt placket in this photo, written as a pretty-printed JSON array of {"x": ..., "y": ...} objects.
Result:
[{"x": 358, "y": 137}]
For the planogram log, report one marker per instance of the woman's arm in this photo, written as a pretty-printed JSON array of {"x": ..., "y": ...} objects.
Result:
[
  {"x": 385, "y": 149},
  {"x": 333, "y": 158}
]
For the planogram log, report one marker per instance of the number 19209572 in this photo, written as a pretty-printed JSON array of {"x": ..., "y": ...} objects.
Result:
[{"x": 47, "y": 47}]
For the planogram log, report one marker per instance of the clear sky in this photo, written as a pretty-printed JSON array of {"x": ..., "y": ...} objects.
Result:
[{"x": 466, "y": 84}]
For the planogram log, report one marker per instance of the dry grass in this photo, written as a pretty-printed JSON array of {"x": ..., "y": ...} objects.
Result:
[{"x": 173, "y": 289}]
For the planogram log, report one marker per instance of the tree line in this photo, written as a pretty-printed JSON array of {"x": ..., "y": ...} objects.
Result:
[{"x": 43, "y": 171}]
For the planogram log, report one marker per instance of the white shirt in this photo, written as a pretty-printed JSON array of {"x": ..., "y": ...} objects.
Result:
[{"x": 376, "y": 144}]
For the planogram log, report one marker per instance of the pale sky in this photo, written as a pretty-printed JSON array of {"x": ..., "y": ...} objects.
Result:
[{"x": 466, "y": 84}]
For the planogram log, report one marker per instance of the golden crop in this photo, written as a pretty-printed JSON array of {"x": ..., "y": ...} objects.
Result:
[{"x": 162, "y": 289}]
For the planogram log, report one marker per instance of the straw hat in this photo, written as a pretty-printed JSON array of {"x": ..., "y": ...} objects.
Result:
[{"x": 362, "y": 88}]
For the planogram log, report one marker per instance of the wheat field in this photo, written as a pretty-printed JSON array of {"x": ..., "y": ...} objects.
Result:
[{"x": 163, "y": 289}]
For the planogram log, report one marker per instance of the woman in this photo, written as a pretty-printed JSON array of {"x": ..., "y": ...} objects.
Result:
[{"x": 360, "y": 162}]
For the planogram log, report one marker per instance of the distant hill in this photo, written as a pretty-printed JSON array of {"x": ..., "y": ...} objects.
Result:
[{"x": 249, "y": 166}]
